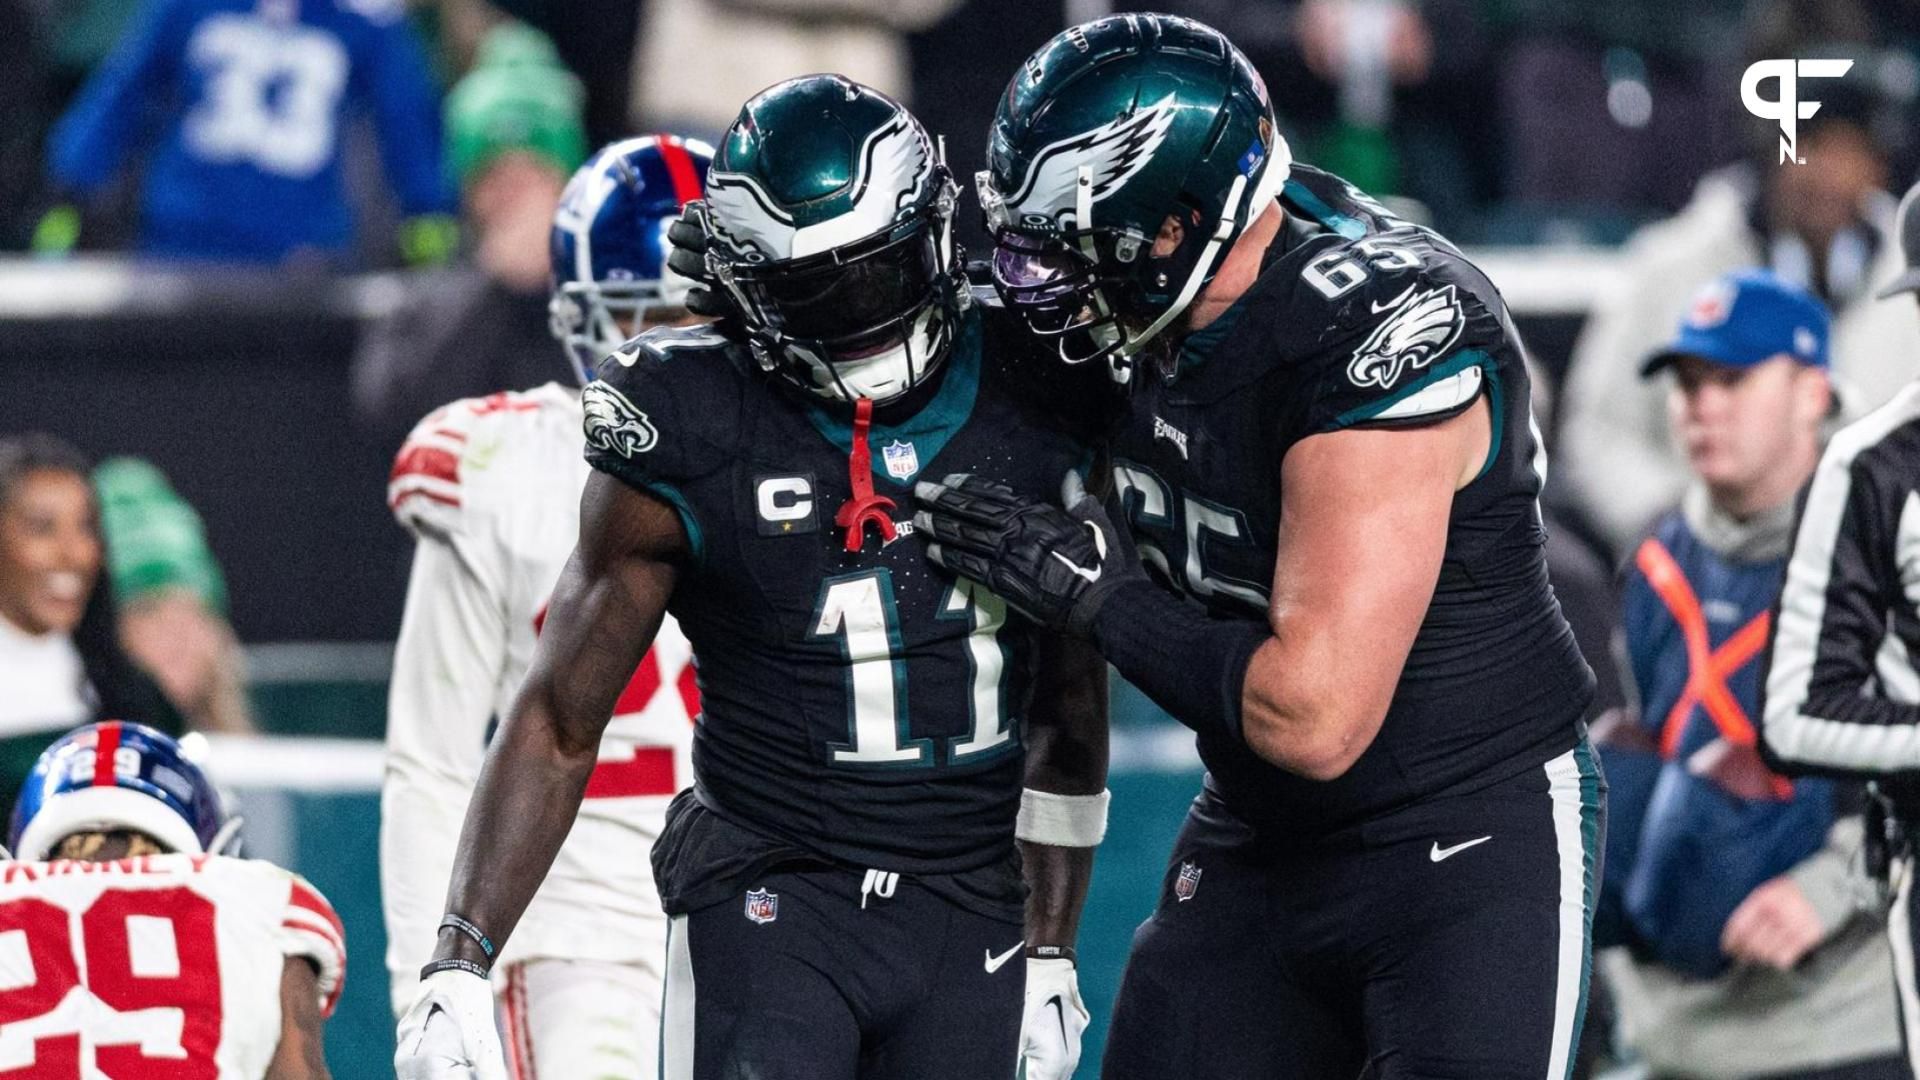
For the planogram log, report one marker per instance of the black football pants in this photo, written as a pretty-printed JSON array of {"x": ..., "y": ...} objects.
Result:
[
  {"x": 815, "y": 975},
  {"x": 1452, "y": 939}
]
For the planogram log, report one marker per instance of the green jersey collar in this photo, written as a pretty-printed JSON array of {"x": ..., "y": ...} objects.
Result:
[{"x": 900, "y": 450}]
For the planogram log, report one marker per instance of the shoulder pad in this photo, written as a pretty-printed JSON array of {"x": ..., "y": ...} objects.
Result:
[
  {"x": 1403, "y": 333},
  {"x": 311, "y": 929},
  {"x": 665, "y": 406},
  {"x": 426, "y": 489}
]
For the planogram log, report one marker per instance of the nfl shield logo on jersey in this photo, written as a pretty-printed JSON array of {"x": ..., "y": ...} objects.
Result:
[
  {"x": 1189, "y": 880},
  {"x": 762, "y": 906},
  {"x": 902, "y": 460}
]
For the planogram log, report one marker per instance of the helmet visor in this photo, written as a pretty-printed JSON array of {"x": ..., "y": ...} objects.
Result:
[
  {"x": 847, "y": 294},
  {"x": 1038, "y": 270}
]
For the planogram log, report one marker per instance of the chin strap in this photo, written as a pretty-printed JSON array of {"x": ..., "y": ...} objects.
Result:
[
  {"x": 1273, "y": 174},
  {"x": 227, "y": 840},
  {"x": 864, "y": 506}
]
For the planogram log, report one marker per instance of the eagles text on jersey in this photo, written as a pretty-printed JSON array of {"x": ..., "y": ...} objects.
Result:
[{"x": 1361, "y": 320}]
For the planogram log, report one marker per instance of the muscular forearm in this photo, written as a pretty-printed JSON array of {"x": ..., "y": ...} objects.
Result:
[
  {"x": 521, "y": 812},
  {"x": 1236, "y": 679},
  {"x": 1063, "y": 811},
  {"x": 1057, "y": 879},
  {"x": 1190, "y": 663},
  {"x": 1303, "y": 724}
]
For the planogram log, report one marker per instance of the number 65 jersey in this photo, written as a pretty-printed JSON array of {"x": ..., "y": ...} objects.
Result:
[
  {"x": 860, "y": 707},
  {"x": 162, "y": 967},
  {"x": 1359, "y": 320}
]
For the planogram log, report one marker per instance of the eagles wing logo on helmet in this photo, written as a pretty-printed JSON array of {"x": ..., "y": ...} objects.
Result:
[
  {"x": 613, "y": 424},
  {"x": 1423, "y": 325},
  {"x": 895, "y": 162},
  {"x": 1114, "y": 151}
]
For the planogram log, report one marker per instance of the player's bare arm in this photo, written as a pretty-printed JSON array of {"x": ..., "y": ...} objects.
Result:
[
  {"x": 1362, "y": 536},
  {"x": 1066, "y": 756},
  {"x": 1363, "y": 530},
  {"x": 301, "y": 1052},
  {"x": 604, "y": 614}
]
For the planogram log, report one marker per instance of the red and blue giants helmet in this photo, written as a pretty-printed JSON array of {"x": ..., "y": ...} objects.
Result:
[
  {"x": 117, "y": 775},
  {"x": 609, "y": 242}
]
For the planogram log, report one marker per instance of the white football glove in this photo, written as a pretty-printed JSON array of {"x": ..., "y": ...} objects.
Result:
[
  {"x": 1054, "y": 1021},
  {"x": 449, "y": 1033}
]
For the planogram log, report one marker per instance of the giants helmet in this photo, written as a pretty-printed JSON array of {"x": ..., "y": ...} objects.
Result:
[
  {"x": 609, "y": 242},
  {"x": 117, "y": 775}
]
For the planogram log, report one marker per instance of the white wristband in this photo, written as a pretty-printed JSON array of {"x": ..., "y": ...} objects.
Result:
[{"x": 1062, "y": 820}]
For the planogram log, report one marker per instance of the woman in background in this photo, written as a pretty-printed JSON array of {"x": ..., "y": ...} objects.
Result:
[
  {"x": 61, "y": 663},
  {"x": 171, "y": 596}
]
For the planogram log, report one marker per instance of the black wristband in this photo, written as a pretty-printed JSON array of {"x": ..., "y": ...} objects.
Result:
[
  {"x": 1053, "y": 952},
  {"x": 455, "y": 922},
  {"x": 455, "y": 963},
  {"x": 1191, "y": 663}
]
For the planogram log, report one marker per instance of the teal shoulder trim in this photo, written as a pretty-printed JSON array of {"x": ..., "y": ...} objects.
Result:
[
  {"x": 1198, "y": 347},
  {"x": 1496, "y": 418},
  {"x": 696, "y": 539},
  {"x": 1297, "y": 193},
  {"x": 1446, "y": 369}
]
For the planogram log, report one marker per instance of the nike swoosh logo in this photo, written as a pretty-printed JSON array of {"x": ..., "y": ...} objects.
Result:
[
  {"x": 1438, "y": 853},
  {"x": 1391, "y": 304},
  {"x": 1099, "y": 545},
  {"x": 1091, "y": 575},
  {"x": 994, "y": 963},
  {"x": 1059, "y": 1014}
]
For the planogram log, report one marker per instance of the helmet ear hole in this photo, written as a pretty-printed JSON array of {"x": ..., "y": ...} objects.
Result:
[{"x": 1170, "y": 237}]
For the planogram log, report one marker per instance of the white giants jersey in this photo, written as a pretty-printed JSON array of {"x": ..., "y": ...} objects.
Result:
[
  {"x": 491, "y": 489},
  {"x": 161, "y": 965}
]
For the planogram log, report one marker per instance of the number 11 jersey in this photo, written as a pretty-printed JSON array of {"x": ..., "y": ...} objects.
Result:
[{"x": 859, "y": 707}]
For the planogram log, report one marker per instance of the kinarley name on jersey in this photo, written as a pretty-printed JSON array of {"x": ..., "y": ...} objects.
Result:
[
  {"x": 1361, "y": 320},
  {"x": 858, "y": 706},
  {"x": 203, "y": 940}
]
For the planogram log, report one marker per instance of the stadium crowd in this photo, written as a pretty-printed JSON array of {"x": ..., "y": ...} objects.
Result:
[{"x": 433, "y": 139}]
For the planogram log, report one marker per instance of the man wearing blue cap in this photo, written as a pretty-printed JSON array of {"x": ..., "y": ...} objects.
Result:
[
  {"x": 1732, "y": 887},
  {"x": 1843, "y": 684}
]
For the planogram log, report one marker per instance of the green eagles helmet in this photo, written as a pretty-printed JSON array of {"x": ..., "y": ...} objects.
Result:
[
  {"x": 830, "y": 222},
  {"x": 1117, "y": 133}
]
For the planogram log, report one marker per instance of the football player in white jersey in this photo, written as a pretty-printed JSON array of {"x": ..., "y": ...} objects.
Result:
[
  {"x": 130, "y": 946},
  {"x": 491, "y": 489}
]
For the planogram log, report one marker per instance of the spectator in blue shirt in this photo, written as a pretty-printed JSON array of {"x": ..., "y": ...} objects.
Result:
[
  {"x": 1751, "y": 950},
  {"x": 245, "y": 103}
]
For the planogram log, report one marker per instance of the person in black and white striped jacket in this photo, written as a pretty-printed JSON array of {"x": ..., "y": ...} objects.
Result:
[{"x": 1843, "y": 686}]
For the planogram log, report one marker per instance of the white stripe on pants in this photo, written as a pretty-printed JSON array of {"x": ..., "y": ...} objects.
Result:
[
  {"x": 1900, "y": 937},
  {"x": 580, "y": 1018},
  {"x": 676, "y": 1018},
  {"x": 1564, "y": 790}
]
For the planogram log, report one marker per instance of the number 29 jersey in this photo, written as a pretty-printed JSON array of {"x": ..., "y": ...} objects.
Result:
[
  {"x": 857, "y": 706},
  {"x": 1361, "y": 320},
  {"x": 162, "y": 967}
]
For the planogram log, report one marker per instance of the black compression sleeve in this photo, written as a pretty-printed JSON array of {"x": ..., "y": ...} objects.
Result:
[{"x": 1190, "y": 663}]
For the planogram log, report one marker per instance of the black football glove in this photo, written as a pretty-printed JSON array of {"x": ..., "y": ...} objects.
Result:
[
  {"x": 687, "y": 257},
  {"x": 1055, "y": 566}
]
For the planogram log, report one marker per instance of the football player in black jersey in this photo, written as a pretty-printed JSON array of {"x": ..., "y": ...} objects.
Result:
[
  {"x": 1329, "y": 565},
  {"x": 843, "y": 880}
]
